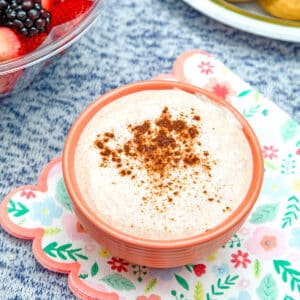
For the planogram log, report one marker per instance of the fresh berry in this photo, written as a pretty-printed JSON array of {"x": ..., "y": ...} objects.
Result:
[
  {"x": 27, "y": 17},
  {"x": 47, "y": 4},
  {"x": 8, "y": 81},
  {"x": 3, "y": 7},
  {"x": 68, "y": 10},
  {"x": 29, "y": 45},
  {"x": 10, "y": 45},
  {"x": 10, "y": 48}
]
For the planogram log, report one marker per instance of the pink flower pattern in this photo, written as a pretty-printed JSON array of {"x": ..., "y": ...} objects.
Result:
[
  {"x": 266, "y": 243},
  {"x": 118, "y": 264},
  {"x": 222, "y": 89},
  {"x": 269, "y": 152},
  {"x": 28, "y": 194},
  {"x": 244, "y": 231},
  {"x": 240, "y": 258},
  {"x": 244, "y": 283},
  {"x": 206, "y": 67}
]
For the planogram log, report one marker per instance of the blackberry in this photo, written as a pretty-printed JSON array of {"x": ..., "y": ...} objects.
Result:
[{"x": 27, "y": 17}]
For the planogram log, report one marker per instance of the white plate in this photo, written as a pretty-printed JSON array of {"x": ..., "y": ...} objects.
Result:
[{"x": 248, "y": 17}]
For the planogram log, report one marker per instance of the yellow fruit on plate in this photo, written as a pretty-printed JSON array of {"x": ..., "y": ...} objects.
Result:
[
  {"x": 285, "y": 9},
  {"x": 239, "y": 1}
]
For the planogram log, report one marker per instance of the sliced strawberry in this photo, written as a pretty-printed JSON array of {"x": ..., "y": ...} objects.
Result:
[
  {"x": 68, "y": 10},
  {"x": 10, "y": 46},
  {"x": 8, "y": 81},
  {"x": 30, "y": 44},
  {"x": 47, "y": 4}
]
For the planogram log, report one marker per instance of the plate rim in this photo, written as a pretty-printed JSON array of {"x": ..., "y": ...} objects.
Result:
[{"x": 259, "y": 25}]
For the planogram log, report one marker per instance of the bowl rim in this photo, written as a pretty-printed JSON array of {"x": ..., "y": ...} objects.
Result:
[
  {"x": 239, "y": 214},
  {"x": 50, "y": 50}
]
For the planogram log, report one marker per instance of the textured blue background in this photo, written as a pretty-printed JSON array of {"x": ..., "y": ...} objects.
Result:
[{"x": 133, "y": 40}]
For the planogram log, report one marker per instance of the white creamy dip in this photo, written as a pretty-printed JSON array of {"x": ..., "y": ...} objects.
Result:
[{"x": 181, "y": 172}]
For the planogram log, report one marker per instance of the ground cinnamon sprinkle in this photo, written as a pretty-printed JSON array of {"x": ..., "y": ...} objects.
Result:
[{"x": 159, "y": 147}]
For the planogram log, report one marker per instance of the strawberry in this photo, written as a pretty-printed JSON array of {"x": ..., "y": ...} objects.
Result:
[
  {"x": 69, "y": 10},
  {"x": 30, "y": 44},
  {"x": 8, "y": 81},
  {"x": 47, "y": 4},
  {"x": 10, "y": 48}
]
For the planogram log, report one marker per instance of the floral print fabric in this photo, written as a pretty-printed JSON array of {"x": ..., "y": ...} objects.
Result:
[{"x": 261, "y": 261}]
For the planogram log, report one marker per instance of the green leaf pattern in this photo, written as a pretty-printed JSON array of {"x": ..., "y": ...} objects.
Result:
[
  {"x": 267, "y": 289},
  {"x": 264, "y": 213},
  {"x": 288, "y": 165},
  {"x": 256, "y": 268},
  {"x": 288, "y": 274},
  {"x": 287, "y": 297},
  {"x": 234, "y": 242},
  {"x": 52, "y": 231},
  {"x": 62, "y": 196},
  {"x": 199, "y": 291},
  {"x": 182, "y": 281},
  {"x": 94, "y": 269},
  {"x": 118, "y": 282},
  {"x": 244, "y": 93},
  {"x": 292, "y": 212},
  {"x": 17, "y": 209},
  {"x": 253, "y": 110},
  {"x": 221, "y": 287},
  {"x": 64, "y": 252},
  {"x": 289, "y": 130},
  {"x": 150, "y": 285}
]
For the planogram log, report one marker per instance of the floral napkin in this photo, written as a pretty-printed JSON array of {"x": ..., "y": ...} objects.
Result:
[{"x": 261, "y": 261}]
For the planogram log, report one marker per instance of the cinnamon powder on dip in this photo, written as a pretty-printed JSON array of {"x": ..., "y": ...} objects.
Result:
[{"x": 163, "y": 164}]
